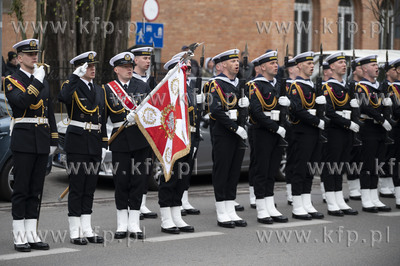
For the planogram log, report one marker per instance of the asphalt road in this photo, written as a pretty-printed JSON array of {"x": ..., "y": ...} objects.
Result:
[{"x": 366, "y": 239}]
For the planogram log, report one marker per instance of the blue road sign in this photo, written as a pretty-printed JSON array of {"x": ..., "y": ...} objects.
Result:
[{"x": 149, "y": 33}]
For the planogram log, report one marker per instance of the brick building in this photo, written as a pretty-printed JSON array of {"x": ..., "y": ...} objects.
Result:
[{"x": 222, "y": 25}]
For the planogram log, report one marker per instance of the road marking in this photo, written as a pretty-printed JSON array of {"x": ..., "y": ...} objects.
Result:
[
  {"x": 295, "y": 224},
  {"x": 389, "y": 214},
  {"x": 36, "y": 253},
  {"x": 182, "y": 236}
]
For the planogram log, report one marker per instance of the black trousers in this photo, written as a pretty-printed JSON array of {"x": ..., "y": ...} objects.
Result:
[
  {"x": 170, "y": 193},
  {"x": 355, "y": 158},
  {"x": 83, "y": 175},
  {"x": 189, "y": 165},
  {"x": 228, "y": 158},
  {"x": 373, "y": 148},
  {"x": 336, "y": 152},
  {"x": 307, "y": 149},
  {"x": 395, "y": 153},
  {"x": 131, "y": 176},
  {"x": 267, "y": 158},
  {"x": 289, "y": 156},
  {"x": 250, "y": 132},
  {"x": 29, "y": 173}
]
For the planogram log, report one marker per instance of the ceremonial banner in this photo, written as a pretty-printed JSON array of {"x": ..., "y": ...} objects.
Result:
[{"x": 163, "y": 120}]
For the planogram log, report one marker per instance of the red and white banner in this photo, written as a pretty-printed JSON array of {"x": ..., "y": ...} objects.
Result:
[
  {"x": 122, "y": 96},
  {"x": 163, "y": 120}
]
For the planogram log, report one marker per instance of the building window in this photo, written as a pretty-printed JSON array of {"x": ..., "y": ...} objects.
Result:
[
  {"x": 345, "y": 24},
  {"x": 387, "y": 25},
  {"x": 303, "y": 26}
]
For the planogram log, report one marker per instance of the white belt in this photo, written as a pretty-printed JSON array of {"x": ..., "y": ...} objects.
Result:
[
  {"x": 274, "y": 114},
  {"x": 232, "y": 114},
  {"x": 368, "y": 117},
  {"x": 312, "y": 111},
  {"x": 267, "y": 113},
  {"x": 118, "y": 124},
  {"x": 192, "y": 129},
  {"x": 32, "y": 120},
  {"x": 345, "y": 114},
  {"x": 85, "y": 125}
]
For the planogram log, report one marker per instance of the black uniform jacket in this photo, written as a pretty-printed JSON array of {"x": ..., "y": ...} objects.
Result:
[
  {"x": 130, "y": 138},
  {"x": 30, "y": 99},
  {"x": 84, "y": 105}
]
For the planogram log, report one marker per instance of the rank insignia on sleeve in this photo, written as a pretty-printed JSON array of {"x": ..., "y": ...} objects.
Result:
[
  {"x": 9, "y": 87},
  {"x": 325, "y": 92},
  {"x": 294, "y": 91},
  {"x": 212, "y": 89}
]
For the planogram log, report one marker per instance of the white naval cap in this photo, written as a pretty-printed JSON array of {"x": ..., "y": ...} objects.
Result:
[
  {"x": 27, "y": 46},
  {"x": 325, "y": 65},
  {"x": 208, "y": 59},
  {"x": 306, "y": 56},
  {"x": 355, "y": 63},
  {"x": 394, "y": 63},
  {"x": 227, "y": 55},
  {"x": 142, "y": 51},
  {"x": 335, "y": 57},
  {"x": 86, "y": 57},
  {"x": 291, "y": 63},
  {"x": 270, "y": 56},
  {"x": 122, "y": 59},
  {"x": 255, "y": 61},
  {"x": 174, "y": 60},
  {"x": 368, "y": 59}
]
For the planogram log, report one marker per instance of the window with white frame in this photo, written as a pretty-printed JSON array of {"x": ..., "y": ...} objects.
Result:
[
  {"x": 386, "y": 34},
  {"x": 302, "y": 26},
  {"x": 346, "y": 25}
]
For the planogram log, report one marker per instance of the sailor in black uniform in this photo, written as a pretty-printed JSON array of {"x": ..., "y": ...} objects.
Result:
[
  {"x": 33, "y": 136},
  {"x": 85, "y": 144}
]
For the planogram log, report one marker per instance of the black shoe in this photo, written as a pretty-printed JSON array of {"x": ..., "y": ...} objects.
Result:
[
  {"x": 239, "y": 208},
  {"x": 397, "y": 206},
  {"x": 324, "y": 200},
  {"x": 22, "y": 247},
  {"x": 150, "y": 215},
  {"x": 289, "y": 202},
  {"x": 171, "y": 230},
  {"x": 386, "y": 195},
  {"x": 228, "y": 224},
  {"x": 355, "y": 197},
  {"x": 137, "y": 235},
  {"x": 336, "y": 213},
  {"x": 192, "y": 211},
  {"x": 183, "y": 212},
  {"x": 120, "y": 235},
  {"x": 302, "y": 216},
  {"x": 79, "y": 241},
  {"x": 316, "y": 215},
  {"x": 280, "y": 219},
  {"x": 350, "y": 212},
  {"x": 186, "y": 229},
  {"x": 346, "y": 199},
  {"x": 141, "y": 216},
  {"x": 253, "y": 206},
  {"x": 384, "y": 209},
  {"x": 240, "y": 223},
  {"x": 95, "y": 239},
  {"x": 370, "y": 209},
  {"x": 266, "y": 220},
  {"x": 39, "y": 246}
]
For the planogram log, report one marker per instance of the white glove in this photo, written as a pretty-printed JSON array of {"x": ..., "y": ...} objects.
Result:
[
  {"x": 320, "y": 100},
  {"x": 321, "y": 124},
  {"x": 354, "y": 103},
  {"x": 281, "y": 131},
  {"x": 284, "y": 101},
  {"x": 200, "y": 98},
  {"x": 244, "y": 102},
  {"x": 387, "y": 102},
  {"x": 103, "y": 154},
  {"x": 81, "y": 71},
  {"x": 38, "y": 73},
  {"x": 52, "y": 150},
  {"x": 354, "y": 127},
  {"x": 131, "y": 118},
  {"x": 387, "y": 126},
  {"x": 241, "y": 132}
]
